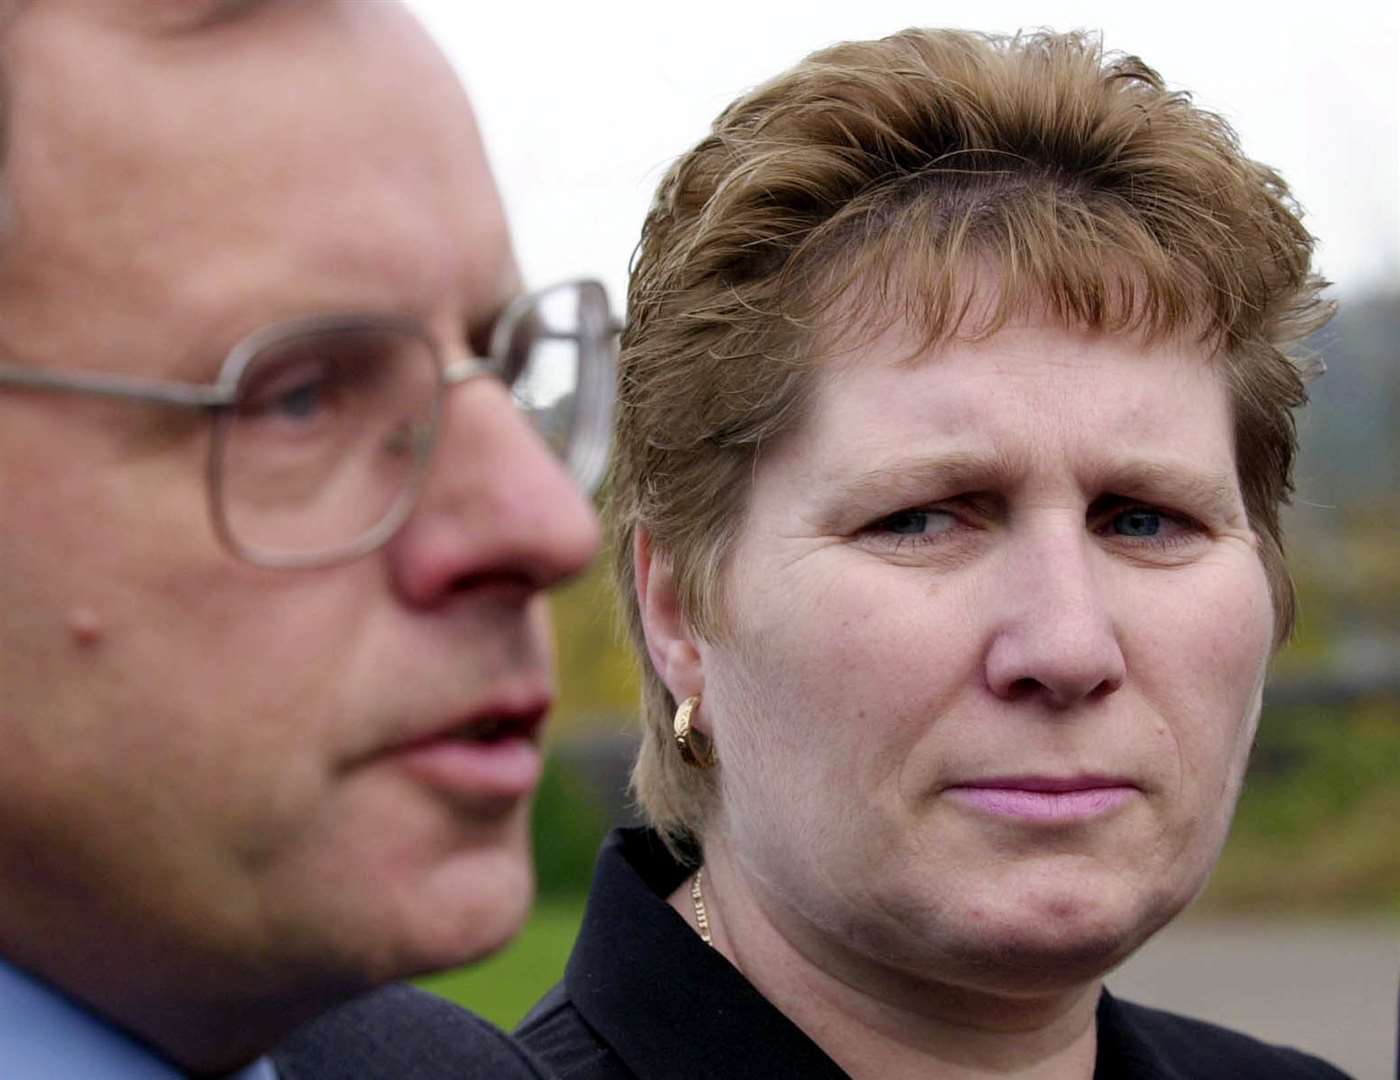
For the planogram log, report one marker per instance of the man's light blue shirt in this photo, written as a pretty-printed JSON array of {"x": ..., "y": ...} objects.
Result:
[{"x": 46, "y": 1035}]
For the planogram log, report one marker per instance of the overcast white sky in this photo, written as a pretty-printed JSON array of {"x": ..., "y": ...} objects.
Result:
[{"x": 584, "y": 105}]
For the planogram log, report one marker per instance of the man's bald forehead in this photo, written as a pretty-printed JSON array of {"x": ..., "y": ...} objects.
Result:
[
  {"x": 122, "y": 132},
  {"x": 157, "y": 16}
]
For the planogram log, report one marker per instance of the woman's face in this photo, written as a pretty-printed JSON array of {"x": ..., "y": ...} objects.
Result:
[{"x": 999, "y": 633}]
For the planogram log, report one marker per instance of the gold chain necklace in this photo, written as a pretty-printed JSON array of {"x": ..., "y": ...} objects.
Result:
[{"x": 697, "y": 899}]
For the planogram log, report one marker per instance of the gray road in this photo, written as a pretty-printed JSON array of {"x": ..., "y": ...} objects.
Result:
[{"x": 1327, "y": 987}]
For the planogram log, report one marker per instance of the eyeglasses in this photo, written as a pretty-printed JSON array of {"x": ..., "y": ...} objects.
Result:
[{"x": 323, "y": 427}]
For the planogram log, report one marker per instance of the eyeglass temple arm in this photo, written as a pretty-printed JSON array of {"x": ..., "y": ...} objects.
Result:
[
  {"x": 459, "y": 371},
  {"x": 160, "y": 391}
]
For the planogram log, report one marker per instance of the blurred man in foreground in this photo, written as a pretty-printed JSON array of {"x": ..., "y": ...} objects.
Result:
[{"x": 274, "y": 656}]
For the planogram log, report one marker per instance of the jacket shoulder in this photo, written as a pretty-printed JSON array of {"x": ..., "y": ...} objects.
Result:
[{"x": 401, "y": 1033}]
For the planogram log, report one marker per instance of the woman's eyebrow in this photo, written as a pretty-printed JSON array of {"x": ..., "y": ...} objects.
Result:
[
  {"x": 873, "y": 489},
  {"x": 1203, "y": 490},
  {"x": 947, "y": 473}
]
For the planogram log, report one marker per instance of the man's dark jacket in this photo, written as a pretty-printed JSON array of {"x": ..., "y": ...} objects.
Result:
[{"x": 400, "y": 1033}]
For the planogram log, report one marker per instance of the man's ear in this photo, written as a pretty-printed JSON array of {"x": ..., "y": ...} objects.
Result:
[{"x": 670, "y": 642}]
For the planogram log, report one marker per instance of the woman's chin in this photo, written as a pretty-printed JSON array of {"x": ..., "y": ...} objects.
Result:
[
  {"x": 1054, "y": 942},
  {"x": 1011, "y": 941}
]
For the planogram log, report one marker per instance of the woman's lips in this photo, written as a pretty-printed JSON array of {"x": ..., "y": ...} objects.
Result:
[{"x": 1043, "y": 799}]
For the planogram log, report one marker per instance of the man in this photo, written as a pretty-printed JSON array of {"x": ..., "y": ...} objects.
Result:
[{"x": 273, "y": 650}]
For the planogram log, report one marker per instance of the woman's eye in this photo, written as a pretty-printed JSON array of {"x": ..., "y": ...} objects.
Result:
[
  {"x": 1138, "y": 522},
  {"x": 915, "y": 523},
  {"x": 1149, "y": 525}
]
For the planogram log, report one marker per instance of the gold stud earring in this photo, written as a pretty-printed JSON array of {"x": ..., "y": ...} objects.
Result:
[{"x": 696, "y": 748}]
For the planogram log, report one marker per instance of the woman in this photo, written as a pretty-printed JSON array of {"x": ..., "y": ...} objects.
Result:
[{"x": 955, "y": 426}]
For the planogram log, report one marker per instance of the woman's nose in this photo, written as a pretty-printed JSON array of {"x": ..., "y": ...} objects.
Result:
[{"x": 1056, "y": 638}]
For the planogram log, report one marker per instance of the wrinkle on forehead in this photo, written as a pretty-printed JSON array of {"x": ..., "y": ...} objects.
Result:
[
  {"x": 978, "y": 431},
  {"x": 185, "y": 15},
  {"x": 156, "y": 16}
]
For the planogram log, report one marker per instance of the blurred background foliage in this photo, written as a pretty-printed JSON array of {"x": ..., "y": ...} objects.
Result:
[
  {"x": 598, "y": 680},
  {"x": 1316, "y": 830}
]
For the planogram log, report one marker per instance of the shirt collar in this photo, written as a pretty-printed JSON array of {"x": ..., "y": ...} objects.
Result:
[
  {"x": 46, "y": 1034},
  {"x": 647, "y": 983}
]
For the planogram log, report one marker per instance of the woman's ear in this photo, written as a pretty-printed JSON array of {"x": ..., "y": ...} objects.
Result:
[{"x": 669, "y": 641}]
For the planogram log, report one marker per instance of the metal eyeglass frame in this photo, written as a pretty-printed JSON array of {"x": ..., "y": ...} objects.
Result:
[{"x": 587, "y": 452}]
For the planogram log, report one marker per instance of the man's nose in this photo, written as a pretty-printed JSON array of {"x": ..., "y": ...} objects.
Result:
[
  {"x": 496, "y": 507},
  {"x": 1056, "y": 638}
]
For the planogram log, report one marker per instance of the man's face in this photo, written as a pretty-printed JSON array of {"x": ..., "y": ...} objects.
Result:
[
  {"x": 224, "y": 779},
  {"x": 999, "y": 632}
]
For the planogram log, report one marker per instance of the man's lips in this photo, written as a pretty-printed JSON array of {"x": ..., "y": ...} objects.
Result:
[
  {"x": 1044, "y": 799},
  {"x": 492, "y": 754}
]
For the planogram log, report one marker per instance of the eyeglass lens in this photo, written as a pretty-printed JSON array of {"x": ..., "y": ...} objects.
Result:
[
  {"x": 555, "y": 348},
  {"x": 322, "y": 454},
  {"x": 326, "y": 440}
]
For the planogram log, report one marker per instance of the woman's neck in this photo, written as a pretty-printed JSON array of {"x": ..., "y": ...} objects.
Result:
[{"x": 879, "y": 1021}]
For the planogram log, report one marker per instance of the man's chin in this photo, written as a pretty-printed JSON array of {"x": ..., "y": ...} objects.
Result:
[
  {"x": 458, "y": 912},
  {"x": 481, "y": 911}
]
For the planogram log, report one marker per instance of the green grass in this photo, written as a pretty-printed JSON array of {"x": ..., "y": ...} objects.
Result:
[{"x": 503, "y": 988}]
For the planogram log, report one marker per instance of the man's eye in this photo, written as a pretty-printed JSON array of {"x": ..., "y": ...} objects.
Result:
[
  {"x": 297, "y": 393},
  {"x": 302, "y": 402}
]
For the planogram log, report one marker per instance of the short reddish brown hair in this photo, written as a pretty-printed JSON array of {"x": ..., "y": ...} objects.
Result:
[{"x": 864, "y": 186}]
